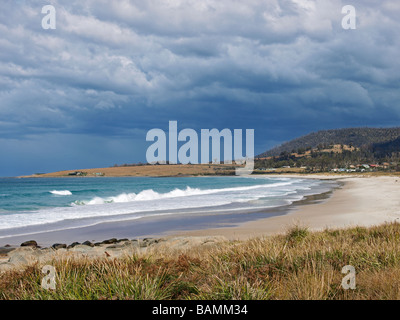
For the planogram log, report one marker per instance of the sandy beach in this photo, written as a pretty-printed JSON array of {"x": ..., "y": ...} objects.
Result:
[{"x": 362, "y": 201}]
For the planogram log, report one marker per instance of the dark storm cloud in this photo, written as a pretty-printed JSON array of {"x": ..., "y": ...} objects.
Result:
[{"x": 114, "y": 69}]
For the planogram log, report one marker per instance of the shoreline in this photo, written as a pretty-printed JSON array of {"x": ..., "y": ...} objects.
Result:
[
  {"x": 354, "y": 203},
  {"x": 361, "y": 201},
  {"x": 165, "y": 224}
]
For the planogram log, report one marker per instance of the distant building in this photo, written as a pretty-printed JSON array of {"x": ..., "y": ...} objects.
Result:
[{"x": 76, "y": 173}]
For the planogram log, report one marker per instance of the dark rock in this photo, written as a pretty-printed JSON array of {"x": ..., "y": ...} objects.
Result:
[
  {"x": 150, "y": 241},
  {"x": 7, "y": 246},
  {"x": 98, "y": 244},
  {"x": 74, "y": 244},
  {"x": 115, "y": 246},
  {"x": 30, "y": 243},
  {"x": 57, "y": 246},
  {"x": 123, "y": 240},
  {"x": 4, "y": 250},
  {"x": 127, "y": 243},
  {"x": 110, "y": 241},
  {"x": 88, "y": 243},
  {"x": 144, "y": 243}
]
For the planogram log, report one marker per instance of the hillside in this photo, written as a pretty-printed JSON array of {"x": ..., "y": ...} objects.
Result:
[{"x": 382, "y": 141}]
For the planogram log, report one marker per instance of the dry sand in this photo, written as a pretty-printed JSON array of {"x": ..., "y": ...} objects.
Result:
[{"x": 362, "y": 201}]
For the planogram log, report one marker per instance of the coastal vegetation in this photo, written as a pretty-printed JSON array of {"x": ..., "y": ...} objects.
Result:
[
  {"x": 297, "y": 265},
  {"x": 324, "y": 158},
  {"x": 379, "y": 140},
  {"x": 350, "y": 149}
]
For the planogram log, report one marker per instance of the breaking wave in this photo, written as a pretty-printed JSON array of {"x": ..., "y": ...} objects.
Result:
[
  {"x": 61, "y": 192},
  {"x": 150, "y": 194}
]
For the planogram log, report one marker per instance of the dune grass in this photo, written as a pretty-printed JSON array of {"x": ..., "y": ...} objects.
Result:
[{"x": 298, "y": 265}]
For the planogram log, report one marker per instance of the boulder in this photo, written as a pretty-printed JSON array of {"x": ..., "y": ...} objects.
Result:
[
  {"x": 30, "y": 243},
  {"x": 74, "y": 244},
  {"x": 5, "y": 250},
  {"x": 81, "y": 248},
  {"x": 110, "y": 241},
  {"x": 88, "y": 243},
  {"x": 22, "y": 256},
  {"x": 57, "y": 246},
  {"x": 150, "y": 241}
]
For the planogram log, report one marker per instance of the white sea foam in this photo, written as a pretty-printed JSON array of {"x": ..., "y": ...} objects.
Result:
[
  {"x": 150, "y": 194},
  {"x": 61, "y": 192}
]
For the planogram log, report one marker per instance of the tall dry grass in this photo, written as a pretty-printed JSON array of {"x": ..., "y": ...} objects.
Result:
[{"x": 298, "y": 265}]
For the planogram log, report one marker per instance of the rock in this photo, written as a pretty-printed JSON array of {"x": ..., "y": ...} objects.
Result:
[
  {"x": 110, "y": 241},
  {"x": 143, "y": 244},
  {"x": 30, "y": 243},
  {"x": 7, "y": 246},
  {"x": 88, "y": 243},
  {"x": 116, "y": 246},
  {"x": 5, "y": 250},
  {"x": 81, "y": 248},
  {"x": 188, "y": 243},
  {"x": 150, "y": 241},
  {"x": 74, "y": 244},
  {"x": 18, "y": 259},
  {"x": 123, "y": 240},
  {"x": 5, "y": 266},
  {"x": 130, "y": 243},
  {"x": 57, "y": 246},
  {"x": 22, "y": 256}
]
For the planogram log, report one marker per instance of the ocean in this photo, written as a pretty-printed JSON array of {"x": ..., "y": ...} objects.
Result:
[{"x": 34, "y": 205}]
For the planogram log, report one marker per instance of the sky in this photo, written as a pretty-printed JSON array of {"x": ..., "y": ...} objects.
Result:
[{"x": 86, "y": 93}]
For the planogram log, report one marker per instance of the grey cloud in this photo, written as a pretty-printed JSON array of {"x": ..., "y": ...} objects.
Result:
[{"x": 111, "y": 68}]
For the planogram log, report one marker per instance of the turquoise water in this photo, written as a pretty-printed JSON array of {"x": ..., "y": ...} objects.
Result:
[{"x": 85, "y": 201}]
